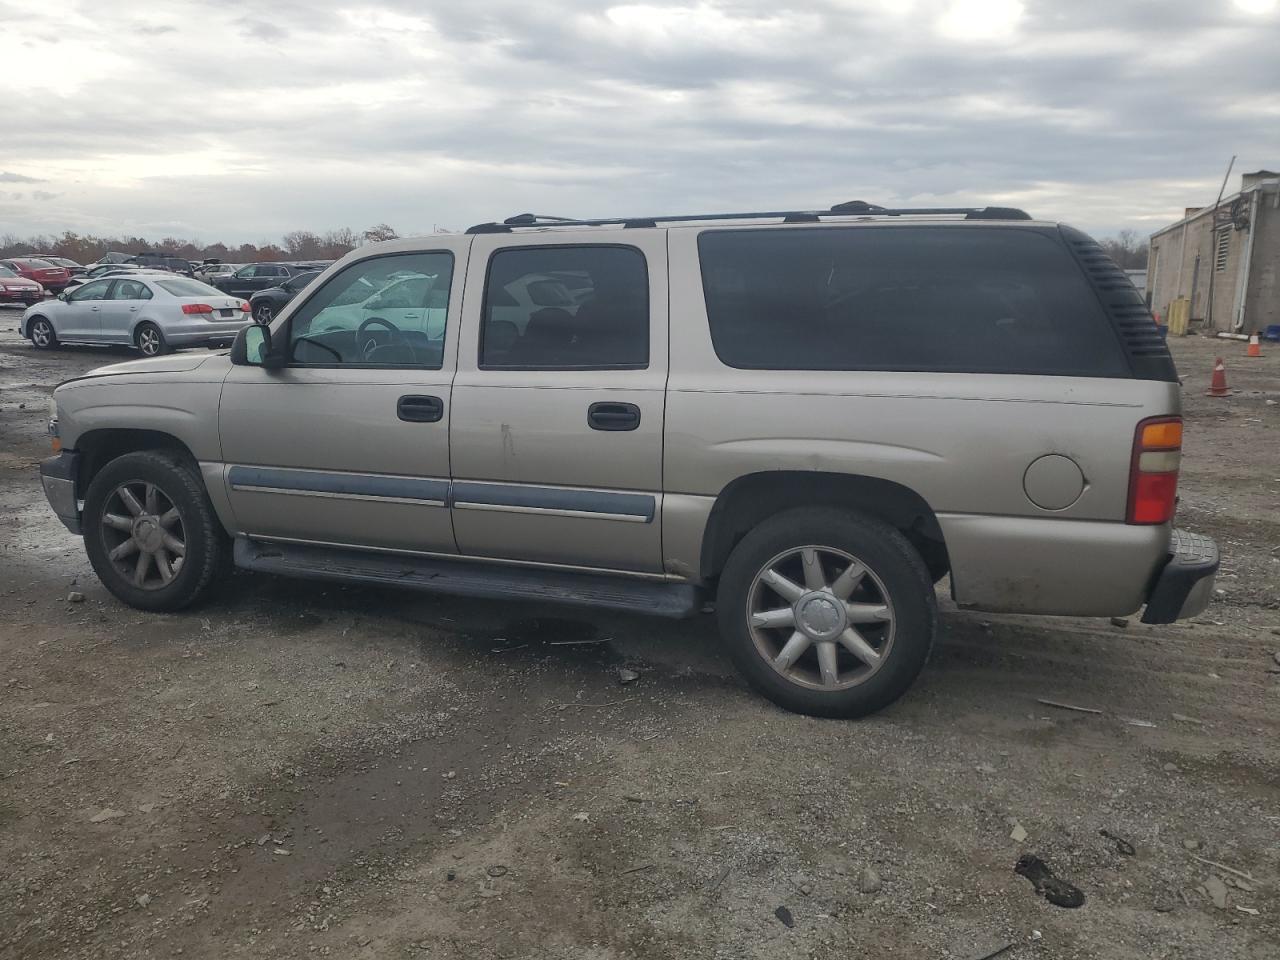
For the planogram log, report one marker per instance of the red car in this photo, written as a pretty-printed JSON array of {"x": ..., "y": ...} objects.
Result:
[
  {"x": 16, "y": 289},
  {"x": 48, "y": 275}
]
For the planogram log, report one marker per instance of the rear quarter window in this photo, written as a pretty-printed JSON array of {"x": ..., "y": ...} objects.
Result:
[{"x": 951, "y": 299}]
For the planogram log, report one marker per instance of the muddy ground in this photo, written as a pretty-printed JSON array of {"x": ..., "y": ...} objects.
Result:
[{"x": 303, "y": 770}]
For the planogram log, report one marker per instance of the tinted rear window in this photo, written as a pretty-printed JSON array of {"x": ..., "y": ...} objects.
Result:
[
  {"x": 184, "y": 287},
  {"x": 975, "y": 300}
]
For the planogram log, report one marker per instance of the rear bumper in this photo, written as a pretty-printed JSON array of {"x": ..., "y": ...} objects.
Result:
[
  {"x": 1184, "y": 585},
  {"x": 206, "y": 332},
  {"x": 58, "y": 477}
]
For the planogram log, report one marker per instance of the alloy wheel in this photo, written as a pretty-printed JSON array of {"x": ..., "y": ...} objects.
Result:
[
  {"x": 144, "y": 534},
  {"x": 149, "y": 341},
  {"x": 41, "y": 333},
  {"x": 262, "y": 313},
  {"x": 820, "y": 617}
]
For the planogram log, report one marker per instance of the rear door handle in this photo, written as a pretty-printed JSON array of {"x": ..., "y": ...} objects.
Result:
[
  {"x": 416, "y": 409},
  {"x": 613, "y": 416}
]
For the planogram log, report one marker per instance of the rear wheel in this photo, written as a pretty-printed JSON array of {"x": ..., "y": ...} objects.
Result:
[
  {"x": 263, "y": 313},
  {"x": 42, "y": 334},
  {"x": 148, "y": 339},
  {"x": 827, "y": 612},
  {"x": 151, "y": 533}
]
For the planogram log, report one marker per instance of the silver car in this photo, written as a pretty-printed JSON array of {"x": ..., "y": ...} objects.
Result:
[{"x": 152, "y": 311}]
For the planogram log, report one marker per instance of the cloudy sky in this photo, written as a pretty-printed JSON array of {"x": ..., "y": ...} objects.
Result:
[{"x": 240, "y": 119}]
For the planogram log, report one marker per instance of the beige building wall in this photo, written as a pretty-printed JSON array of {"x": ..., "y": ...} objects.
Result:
[{"x": 1184, "y": 256}]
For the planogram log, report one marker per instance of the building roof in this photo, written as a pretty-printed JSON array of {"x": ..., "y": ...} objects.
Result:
[{"x": 1249, "y": 182}]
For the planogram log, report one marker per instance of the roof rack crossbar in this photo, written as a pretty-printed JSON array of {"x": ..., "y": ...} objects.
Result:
[{"x": 852, "y": 208}]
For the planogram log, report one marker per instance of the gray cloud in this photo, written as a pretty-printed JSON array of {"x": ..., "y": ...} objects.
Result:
[
  {"x": 6, "y": 177},
  {"x": 444, "y": 113}
]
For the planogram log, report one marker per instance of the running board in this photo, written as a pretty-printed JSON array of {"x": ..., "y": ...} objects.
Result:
[{"x": 469, "y": 578}]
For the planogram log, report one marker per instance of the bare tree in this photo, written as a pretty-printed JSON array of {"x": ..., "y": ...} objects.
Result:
[
  {"x": 1127, "y": 249},
  {"x": 379, "y": 232},
  {"x": 302, "y": 244}
]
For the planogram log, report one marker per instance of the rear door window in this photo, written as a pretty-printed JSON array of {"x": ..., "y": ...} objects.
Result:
[
  {"x": 566, "y": 308},
  {"x": 956, "y": 299}
]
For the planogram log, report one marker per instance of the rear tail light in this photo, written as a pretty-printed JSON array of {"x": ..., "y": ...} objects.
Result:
[
  {"x": 1153, "y": 473},
  {"x": 196, "y": 308},
  {"x": 244, "y": 306}
]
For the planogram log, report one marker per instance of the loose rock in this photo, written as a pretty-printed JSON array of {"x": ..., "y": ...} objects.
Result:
[
  {"x": 1216, "y": 890},
  {"x": 75, "y": 596},
  {"x": 106, "y": 813},
  {"x": 1191, "y": 844},
  {"x": 627, "y": 676},
  {"x": 143, "y": 899},
  {"x": 869, "y": 881},
  {"x": 1119, "y": 621},
  {"x": 1018, "y": 833},
  {"x": 783, "y": 914},
  {"x": 497, "y": 870}
]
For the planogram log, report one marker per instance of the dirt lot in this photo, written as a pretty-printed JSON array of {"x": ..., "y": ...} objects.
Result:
[{"x": 302, "y": 770}]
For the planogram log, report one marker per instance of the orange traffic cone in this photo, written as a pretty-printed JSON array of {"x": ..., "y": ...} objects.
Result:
[
  {"x": 1255, "y": 347},
  {"x": 1219, "y": 388}
]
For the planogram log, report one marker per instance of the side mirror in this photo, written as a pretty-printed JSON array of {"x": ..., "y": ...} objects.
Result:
[
  {"x": 252, "y": 348},
  {"x": 64, "y": 296}
]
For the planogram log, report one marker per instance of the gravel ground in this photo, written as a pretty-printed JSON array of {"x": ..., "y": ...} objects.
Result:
[{"x": 301, "y": 770}]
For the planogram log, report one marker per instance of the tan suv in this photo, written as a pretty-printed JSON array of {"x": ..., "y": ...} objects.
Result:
[{"x": 811, "y": 417}]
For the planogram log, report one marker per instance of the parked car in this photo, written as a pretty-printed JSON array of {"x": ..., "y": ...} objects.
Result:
[
  {"x": 265, "y": 304},
  {"x": 104, "y": 270},
  {"x": 75, "y": 269},
  {"x": 15, "y": 288},
  {"x": 249, "y": 279},
  {"x": 151, "y": 311},
  {"x": 209, "y": 272},
  {"x": 49, "y": 275},
  {"x": 161, "y": 261},
  {"x": 810, "y": 418},
  {"x": 112, "y": 256}
]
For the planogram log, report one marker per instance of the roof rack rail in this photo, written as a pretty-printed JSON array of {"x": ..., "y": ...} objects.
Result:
[{"x": 847, "y": 209}]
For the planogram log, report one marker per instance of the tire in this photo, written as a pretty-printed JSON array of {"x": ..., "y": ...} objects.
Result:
[
  {"x": 42, "y": 334},
  {"x": 262, "y": 313},
  {"x": 822, "y": 671},
  {"x": 206, "y": 551},
  {"x": 149, "y": 340}
]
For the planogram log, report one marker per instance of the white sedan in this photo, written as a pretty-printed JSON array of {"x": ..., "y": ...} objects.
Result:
[{"x": 153, "y": 312}]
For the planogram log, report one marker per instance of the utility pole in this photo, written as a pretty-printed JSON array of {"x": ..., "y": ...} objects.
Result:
[{"x": 1213, "y": 244}]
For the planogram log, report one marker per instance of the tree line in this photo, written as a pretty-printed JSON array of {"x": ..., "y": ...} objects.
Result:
[
  {"x": 1127, "y": 249},
  {"x": 295, "y": 245}
]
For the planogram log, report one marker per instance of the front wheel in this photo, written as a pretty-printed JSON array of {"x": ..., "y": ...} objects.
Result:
[
  {"x": 263, "y": 313},
  {"x": 827, "y": 612},
  {"x": 42, "y": 335},
  {"x": 149, "y": 340},
  {"x": 151, "y": 533}
]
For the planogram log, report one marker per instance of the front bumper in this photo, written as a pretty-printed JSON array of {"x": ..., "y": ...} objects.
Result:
[
  {"x": 1184, "y": 585},
  {"x": 58, "y": 476}
]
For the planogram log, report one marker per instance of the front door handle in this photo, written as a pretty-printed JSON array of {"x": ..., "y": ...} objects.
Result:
[
  {"x": 416, "y": 409},
  {"x": 613, "y": 416}
]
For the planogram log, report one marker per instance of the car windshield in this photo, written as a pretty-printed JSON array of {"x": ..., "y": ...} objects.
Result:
[
  {"x": 6, "y": 272},
  {"x": 182, "y": 287},
  {"x": 32, "y": 264}
]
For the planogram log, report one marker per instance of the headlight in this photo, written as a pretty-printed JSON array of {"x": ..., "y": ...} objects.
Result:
[{"x": 53, "y": 409}]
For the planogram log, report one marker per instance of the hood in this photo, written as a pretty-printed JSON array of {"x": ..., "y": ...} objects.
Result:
[{"x": 174, "y": 363}]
